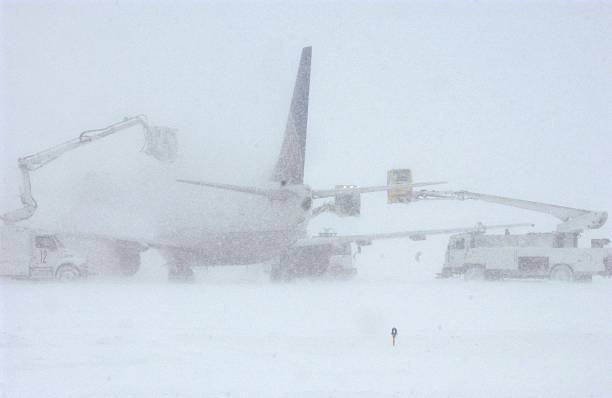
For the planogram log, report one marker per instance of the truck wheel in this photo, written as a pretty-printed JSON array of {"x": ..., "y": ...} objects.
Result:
[
  {"x": 562, "y": 273},
  {"x": 474, "y": 273},
  {"x": 67, "y": 273}
]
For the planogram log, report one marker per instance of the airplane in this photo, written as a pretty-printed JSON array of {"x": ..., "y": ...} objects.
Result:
[
  {"x": 277, "y": 230},
  {"x": 271, "y": 223}
]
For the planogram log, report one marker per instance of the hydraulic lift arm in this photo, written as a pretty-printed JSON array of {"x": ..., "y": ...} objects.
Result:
[
  {"x": 572, "y": 220},
  {"x": 160, "y": 142}
]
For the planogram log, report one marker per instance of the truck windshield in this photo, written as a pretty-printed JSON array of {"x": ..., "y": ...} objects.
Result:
[{"x": 45, "y": 242}]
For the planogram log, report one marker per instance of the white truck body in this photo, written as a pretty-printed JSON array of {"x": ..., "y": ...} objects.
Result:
[
  {"x": 534, "y": 255},
  {"x": 29, "y": 253}
]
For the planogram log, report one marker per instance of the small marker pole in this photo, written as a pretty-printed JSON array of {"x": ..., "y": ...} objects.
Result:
[{"x": 393, "y": 334}]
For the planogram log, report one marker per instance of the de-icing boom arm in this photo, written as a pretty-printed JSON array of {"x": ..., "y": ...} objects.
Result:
[
  {"x": 573, "y": 220},
  {"x": 160, "y": 143}
]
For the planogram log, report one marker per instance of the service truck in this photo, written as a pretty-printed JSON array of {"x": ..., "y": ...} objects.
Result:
[
  {"x": 28, "y": 253},
  {"x": 551, "y": 255}
]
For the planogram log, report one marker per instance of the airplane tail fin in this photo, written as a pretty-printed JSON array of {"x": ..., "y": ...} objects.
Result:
[{"x": 290, "y": 164}]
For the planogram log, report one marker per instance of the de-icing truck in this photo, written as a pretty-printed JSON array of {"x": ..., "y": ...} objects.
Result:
[
  {"x": 553, "y": 255},
  {"x": 36, "y": 254}
]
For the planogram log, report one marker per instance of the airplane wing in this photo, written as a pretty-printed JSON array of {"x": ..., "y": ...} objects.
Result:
[
  {"x": 328, "y": 193},
  {"x": 414, "y": 235}
]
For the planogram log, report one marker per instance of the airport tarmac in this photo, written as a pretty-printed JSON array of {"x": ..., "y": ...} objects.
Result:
[{"x": 232, "y": 333}]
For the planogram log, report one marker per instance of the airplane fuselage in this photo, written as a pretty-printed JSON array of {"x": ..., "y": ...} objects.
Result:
[{"x": 260, "y": 230}]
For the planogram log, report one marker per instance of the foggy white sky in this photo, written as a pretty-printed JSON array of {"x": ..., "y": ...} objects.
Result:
[{"x": 511, "y": 99}]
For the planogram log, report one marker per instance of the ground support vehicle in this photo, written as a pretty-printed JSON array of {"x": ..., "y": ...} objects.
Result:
[
  {"x": 334, "y": 260},
  {"x": 27, "y": 253},
  {"x": 553, "y": 255}
]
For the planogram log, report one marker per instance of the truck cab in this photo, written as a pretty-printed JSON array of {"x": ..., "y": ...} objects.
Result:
[
  {"x": 457, "y": 247},
  {"x": 27, "y": 253}
]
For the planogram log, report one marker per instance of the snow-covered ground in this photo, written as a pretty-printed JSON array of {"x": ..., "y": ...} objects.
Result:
[{"x": 235, "y": 334}]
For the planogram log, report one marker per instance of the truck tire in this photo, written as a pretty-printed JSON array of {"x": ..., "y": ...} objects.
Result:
[
  {"x": 562, "y": 273},
  {"x": 474, "y": 273},
  {"x": 67, "y": 273}
]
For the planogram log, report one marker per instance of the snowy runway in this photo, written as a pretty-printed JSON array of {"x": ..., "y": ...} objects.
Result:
[{"x": 251, "y": 338}]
